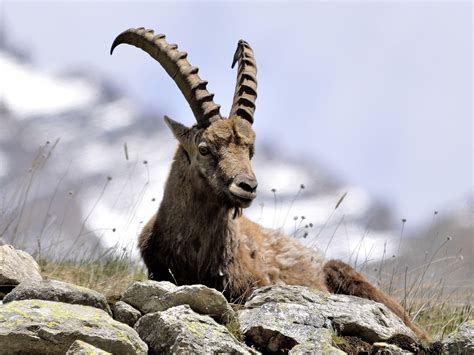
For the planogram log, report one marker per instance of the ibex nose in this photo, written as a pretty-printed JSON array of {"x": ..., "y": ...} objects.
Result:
[{"x": 246, "y": 183}]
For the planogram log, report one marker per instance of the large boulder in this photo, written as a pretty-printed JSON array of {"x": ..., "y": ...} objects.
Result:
[
  {"x": 153, "y": 296},
  {"x": 461, "y": 341},
  {"x": 58, "y": 291},
  {"x": 40, "y": 327},
  {"x": 17, "y": 266},
  {"x": 295, "y": 314},
  {"x": 181, "y": 330}
]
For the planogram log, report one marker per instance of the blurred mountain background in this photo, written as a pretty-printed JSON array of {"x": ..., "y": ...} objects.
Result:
[{"x": 84, "y": 154}]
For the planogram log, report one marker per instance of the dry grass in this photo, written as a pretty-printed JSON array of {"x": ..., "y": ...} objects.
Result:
[
  {"x": 110, "y": 277},
  {"x": 441, "y": 319}
]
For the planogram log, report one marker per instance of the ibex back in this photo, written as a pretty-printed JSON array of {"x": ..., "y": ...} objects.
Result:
[{"x": 198, "y": 234}]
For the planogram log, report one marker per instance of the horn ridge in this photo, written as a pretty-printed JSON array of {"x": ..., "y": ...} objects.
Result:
[
  {"x": 245, "y": 94},
  {"x": 178, "y": 68}
]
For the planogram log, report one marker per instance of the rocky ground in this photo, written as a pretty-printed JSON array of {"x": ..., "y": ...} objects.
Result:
[{"x": 54, "y": 317}]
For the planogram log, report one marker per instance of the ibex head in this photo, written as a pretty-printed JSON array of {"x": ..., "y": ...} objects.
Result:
[{"x": 218, "y": 150}]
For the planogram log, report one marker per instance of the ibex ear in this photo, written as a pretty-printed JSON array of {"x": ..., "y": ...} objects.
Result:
[{"x": 179, "y": 130}]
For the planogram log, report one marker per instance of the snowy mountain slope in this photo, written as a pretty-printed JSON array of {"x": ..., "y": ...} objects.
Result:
[{"x": 28, "y": 91}]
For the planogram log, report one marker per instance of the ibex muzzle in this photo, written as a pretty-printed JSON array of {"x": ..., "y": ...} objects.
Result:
[{"x": 244, "y": 186}]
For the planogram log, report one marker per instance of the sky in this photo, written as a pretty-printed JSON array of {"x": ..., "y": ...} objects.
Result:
[{"x": 378, "y": 92}]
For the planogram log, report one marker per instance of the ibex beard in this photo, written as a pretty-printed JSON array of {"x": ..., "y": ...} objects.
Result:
[{"x": 198, "y": 234}]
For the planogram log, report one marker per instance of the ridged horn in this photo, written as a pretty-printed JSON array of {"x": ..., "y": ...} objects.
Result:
[
  {"x": 245, "y": 94},
  {"x": 178, "y": 68}
]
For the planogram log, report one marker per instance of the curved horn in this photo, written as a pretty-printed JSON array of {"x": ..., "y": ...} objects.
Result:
[
  {"x": 178, "y": 68},
  {"x": 245, "y": 94}
]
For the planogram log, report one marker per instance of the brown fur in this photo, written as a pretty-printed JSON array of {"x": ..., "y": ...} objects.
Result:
[{"x": 194, "y": 237}]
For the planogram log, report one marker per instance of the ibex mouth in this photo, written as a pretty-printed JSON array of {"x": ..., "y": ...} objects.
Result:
[{"x": 244, "y": 197}]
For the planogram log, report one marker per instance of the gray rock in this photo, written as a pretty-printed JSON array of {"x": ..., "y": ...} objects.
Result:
[
  {"x": 80, "y": 347},
  {"x": 59, "y": 291},
  {"x": 181, "y": 330},
  {"x": 38, "y": 326},
  {"x": 125, "y": 313},
  {"x": 152, "y": 296},
  {"x": 17, "y": 266},
  {"x": 296, "y": 313},
  {"x": 140, "y": 292},
  {"x": 280, "y": 325},
  {"x": 321, "y": 345},
  {"x": 461, "y": 341},
  {"x": 382, "y": 348}
]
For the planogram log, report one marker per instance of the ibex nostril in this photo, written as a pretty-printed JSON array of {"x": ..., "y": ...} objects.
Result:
[
  {"x": 248, "y": 186},
  {"x": 247, "y": 183}
]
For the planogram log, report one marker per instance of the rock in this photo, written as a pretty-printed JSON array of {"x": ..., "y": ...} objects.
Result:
[
  {"x": 181, "y": 330},
  {"x": 38, "y": 326},
  {"x": 297, "y": 313},
  {"x": 280, "y": 325},
  {"x": 59, "y": 291},
  {"x": 152, "y": 296},
  {"x": 125, "y": 313},
  {"x": 462, "y": 340},
  {"x": 80, "y": 347},
  {"x": 140, "y": 292},
  {"x": 17, "y": 266},
  {"x": 323, "y": 345},
  {"x": 382, "y": 348}
]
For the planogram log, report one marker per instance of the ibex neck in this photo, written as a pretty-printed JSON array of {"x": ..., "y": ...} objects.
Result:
[{"x": 199, "y": 230}]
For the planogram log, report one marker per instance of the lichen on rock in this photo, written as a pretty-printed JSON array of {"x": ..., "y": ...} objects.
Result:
[
  {"x": 289, "y": 315},
  {"x": 181, "y": 330},
  {"x": 58, "y": 291},
  {"x": 38, "y": 326}
]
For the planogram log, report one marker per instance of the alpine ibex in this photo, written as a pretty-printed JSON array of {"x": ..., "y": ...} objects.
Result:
[{"x": 198, "y": 234}]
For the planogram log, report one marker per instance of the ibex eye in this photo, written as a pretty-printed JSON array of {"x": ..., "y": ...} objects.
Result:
[{"x": 203, "y": 149}]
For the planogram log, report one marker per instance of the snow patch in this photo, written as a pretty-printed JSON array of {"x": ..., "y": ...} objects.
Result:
[{"x": 27, "y": 91}]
